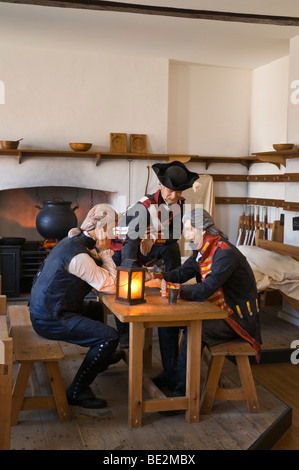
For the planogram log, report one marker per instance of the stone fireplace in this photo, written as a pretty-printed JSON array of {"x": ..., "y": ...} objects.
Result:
[
  {"x": 20, "y": 260},
  {"x": 18, "y": 207},
  {"x": 25, "y": 186}
]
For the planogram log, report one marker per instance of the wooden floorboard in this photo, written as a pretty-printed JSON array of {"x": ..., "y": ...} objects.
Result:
[
  {"x": 283, "y": 381},
  {"x": 229, "y": 427},
  {"x": 276, "y": 332}
]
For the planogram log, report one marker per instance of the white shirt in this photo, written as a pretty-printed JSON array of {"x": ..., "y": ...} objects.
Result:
[{"x": 100, "y": 278}]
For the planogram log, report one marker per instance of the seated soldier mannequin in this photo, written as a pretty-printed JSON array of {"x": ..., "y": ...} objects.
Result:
[
  {"x": 58, "y": 308},
  {"x": 224, "y": 278},
  {"x": 153, "y": 225}
]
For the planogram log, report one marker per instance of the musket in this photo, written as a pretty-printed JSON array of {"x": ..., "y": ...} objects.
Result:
[
  {"x": 256, "y": 225},
  {"x": 265, "y": 224},
  {"x": 251, "y": 225},
  {"x": 247, "y": 218},
  {"x": 241, "y": 234}
]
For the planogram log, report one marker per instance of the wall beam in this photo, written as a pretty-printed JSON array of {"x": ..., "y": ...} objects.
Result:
[{"x": 164, "y": 11}]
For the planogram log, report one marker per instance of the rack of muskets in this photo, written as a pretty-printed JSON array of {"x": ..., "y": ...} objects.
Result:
[{"x": 254, "y": 219}]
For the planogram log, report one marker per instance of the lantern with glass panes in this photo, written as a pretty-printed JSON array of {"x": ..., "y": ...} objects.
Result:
[{"x": 130, "y": 283}]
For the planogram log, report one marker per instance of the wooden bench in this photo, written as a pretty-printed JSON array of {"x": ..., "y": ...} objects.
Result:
[
  {"x": 6, "y": 367},
  {"x": 30, "y": 348},
  {"x": 241, "y": 350}
]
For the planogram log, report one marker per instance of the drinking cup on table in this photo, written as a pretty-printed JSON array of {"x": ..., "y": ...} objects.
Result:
[{"x": 172, "y": 296}]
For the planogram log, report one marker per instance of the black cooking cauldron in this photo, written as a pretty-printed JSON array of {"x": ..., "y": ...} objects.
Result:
[{"x": 56, "y": 218}]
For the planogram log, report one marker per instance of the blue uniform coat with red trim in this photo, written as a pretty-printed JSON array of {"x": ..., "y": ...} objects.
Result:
[{"x": 230, "y": 271}]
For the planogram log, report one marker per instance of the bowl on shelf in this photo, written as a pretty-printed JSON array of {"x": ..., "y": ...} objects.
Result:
[
  {"x": 281, "y": 147},
  {"x": 10, "y": 144},
  {"x": 80, "y": 146}
]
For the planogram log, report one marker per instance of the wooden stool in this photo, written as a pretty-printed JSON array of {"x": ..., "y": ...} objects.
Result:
[
  {"x": 30, "y": 348},
  {"x": 6, "y": 368},
  {"x": 241, "y": 350}
]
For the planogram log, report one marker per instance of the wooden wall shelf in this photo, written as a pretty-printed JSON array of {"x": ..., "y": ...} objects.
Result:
[
  {"x": 21, "y": 153},
  {"x": 252, "y": 201},
  {"x": 291, "y": 206},
  {"x": 293, "y": 153},
  {"x": 284, "y": 178},
  {"x": 208, "y": 160},
  {"x": 277, "y": 158},
  {"x": 269, "y": 157},
  {"x": 273, "y": 158}
]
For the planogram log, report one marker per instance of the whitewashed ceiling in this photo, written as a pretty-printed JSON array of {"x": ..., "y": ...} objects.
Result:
[{"x": 221, "y": 43}]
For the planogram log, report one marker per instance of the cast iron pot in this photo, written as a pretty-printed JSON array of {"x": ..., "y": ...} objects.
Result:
[{"x": 56, "y": 218}]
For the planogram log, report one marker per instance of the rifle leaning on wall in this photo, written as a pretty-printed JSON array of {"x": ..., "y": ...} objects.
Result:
[
  {"x": 247, "y": 223},
  {"x": 251, "y": 226},
  {"x": 256, "y": 225},
  {"x": 242, "y": 229},
  {"x": 265, "y": 223}
]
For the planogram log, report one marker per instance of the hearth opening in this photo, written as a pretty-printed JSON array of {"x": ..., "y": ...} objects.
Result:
[{"x": 24, "y": 240}]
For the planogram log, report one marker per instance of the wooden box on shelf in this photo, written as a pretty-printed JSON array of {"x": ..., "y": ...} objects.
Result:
[
  {"x": 118, "y": 143},
  {"x": 138, "y": 143}
]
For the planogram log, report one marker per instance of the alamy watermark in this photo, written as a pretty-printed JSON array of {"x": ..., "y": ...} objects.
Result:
[
  {"x": 157, "y": 221},
  {"x": 295, "y": 354},
  {"x": 295, "y": 93},
  {"x": 2, "y": 92}
]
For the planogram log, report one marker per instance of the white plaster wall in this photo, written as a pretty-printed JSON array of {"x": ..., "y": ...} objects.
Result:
[
  {"x": 269, "y": 106},
  {"x": 275, "y": 119},
  {"x": 63, "y": 97},
  {"x": 208, "y": 110},
  {"x": 269, "y": 123},
  {"x": 209, "y": 114},
  {"x": 292, "y": 189},
  {"x": 292, "y": 166},
  {"x": 54, "y": 97}
]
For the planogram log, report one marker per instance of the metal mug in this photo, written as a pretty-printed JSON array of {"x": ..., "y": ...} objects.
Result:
[{"x": 172, "y": 296}]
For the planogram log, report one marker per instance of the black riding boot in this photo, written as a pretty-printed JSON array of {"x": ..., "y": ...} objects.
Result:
[
  {"x": 96, "y": 360},
  {"x": 123, "y": 332},
  {"x": 169, "y": 349}
]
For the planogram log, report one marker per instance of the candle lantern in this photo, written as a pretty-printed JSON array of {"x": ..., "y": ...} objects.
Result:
[{"x": 130, "y": 283}]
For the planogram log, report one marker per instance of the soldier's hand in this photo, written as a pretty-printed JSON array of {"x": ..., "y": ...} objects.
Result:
[
  {"x": 154, "y": 283},
  {"x": 146, "y": 246},
  {"x": 103, "y": 244}
]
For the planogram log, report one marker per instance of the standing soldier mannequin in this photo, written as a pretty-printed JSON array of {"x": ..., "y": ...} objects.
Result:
[{"x": 153, "y": 225}]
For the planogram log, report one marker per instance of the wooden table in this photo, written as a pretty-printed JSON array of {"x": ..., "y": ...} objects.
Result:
[{"x": 156, "y": 312}]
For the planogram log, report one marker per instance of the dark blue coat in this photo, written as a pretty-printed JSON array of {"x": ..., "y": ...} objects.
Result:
[
  {"x": 230, "y": 271},
  {"x": 55, "y": 290},
  {"x": 138, "y": 219}
]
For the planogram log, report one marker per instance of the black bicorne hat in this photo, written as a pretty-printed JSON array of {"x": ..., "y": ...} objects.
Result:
[{"x": 175, "y": 175}]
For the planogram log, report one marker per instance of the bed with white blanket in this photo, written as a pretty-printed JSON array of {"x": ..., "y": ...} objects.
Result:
[{"x": 276, "y": 267}]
